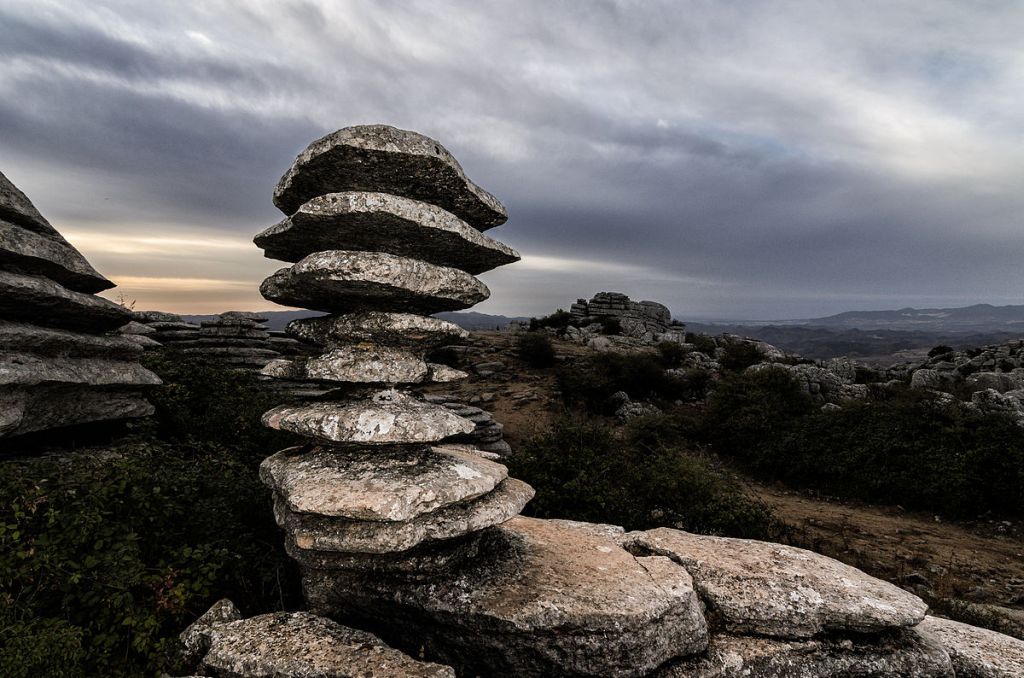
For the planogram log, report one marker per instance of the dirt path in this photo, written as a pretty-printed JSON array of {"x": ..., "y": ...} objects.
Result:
[{"x": 981, "y": 563}]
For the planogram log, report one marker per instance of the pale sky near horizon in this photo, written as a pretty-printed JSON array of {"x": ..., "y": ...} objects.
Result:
[{"x": 730, "y": 159}]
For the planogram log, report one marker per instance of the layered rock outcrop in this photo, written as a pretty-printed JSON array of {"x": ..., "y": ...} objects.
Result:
[
  {"x": 646, "y": 321},
  {"x": 400, "y": 532},
  {"x": 58, "y": 366}
]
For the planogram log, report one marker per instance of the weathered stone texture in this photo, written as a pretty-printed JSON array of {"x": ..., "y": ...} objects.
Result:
[
  {"x": 781, "y": 591},
  {"x": 976, "y": 652},
  {"x": 42, "y": 301},
  {"x": 24, "y": 251},
  {"x": 386, "y": 329},
  {"x": 378, "y": 222},
  {"x": 384, "y": 159},
  {"x": 339, "y": 281}
]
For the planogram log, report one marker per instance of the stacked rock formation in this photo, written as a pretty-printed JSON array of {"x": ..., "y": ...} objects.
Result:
[
  {"x": 235, "y": 338},
  {"x": 487, "y": 434},
  {"x": 167, "y": 329},
  {"x": 57, "y": 368}
]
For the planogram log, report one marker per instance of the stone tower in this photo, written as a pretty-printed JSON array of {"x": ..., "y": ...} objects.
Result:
[{"x": 393, "y": 529}]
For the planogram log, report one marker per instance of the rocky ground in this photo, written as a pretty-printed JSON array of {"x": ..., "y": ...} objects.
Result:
[{"x": 973, "y": 566}]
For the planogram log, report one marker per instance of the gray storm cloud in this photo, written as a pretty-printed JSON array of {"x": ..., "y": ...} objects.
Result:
[{"x": 731, "y": 159}]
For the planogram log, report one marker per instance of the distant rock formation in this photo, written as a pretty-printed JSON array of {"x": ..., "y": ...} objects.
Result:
[
  {"x": 646, "y": 321},
  {"x": 58, "y": 367}
]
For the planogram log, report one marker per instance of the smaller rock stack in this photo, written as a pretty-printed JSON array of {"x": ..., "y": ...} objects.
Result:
[
  {"x": 168, "y": 329},
  {"x": 57, "y": 367},
  {"x": 236, "y": 338},
  {"x": 487, "y": 434}
]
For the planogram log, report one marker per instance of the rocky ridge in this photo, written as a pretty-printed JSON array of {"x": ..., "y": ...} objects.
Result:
[{"x": 58, "y": 365}]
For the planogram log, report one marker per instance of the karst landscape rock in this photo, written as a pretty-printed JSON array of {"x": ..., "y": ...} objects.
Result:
[
  {"x": 60, "y": 365},
  {"x": 402, "y": 534}
]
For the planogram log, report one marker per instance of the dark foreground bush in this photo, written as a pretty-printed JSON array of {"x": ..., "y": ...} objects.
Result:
[
  {"x": 643, "y": 477},
  {"x": 535, "y": 350},
  {"x": 103, "y": 561},
  {"x": 589, "y": 383},
  {"x": 558, "y": 320},
  {"x": 905, "y": 449}
]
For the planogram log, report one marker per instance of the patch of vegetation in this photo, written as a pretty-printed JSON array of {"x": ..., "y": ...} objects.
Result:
[
  {"x": 640, "y": 477},
  {"x": 702, "y": 343},
  {"x": 610, "y": 325},
  {"x": 736, "y": 357},
  {"x": 535, "y": 350},
  {"x": 905, "y": 449},
  {"x": 589, "y": 383},
  {"x": 672, "y": 353},
  {"x": 558, "y": 320},
  {"x": 941, "y": 349},
  {"x": 105, "y": 558}
]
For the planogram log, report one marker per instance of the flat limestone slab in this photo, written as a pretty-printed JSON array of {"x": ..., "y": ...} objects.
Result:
[
  {"x": 389, "y": 160},
  {"x": 376, "y": 486},
  {"x": 301, "y": 645},
  {"x": 977, "y": 652},
  {"x": 319, "y": 533},
  {"x": 380, "y": 222},
  {"x": 340, "y": 281},
  {"x": 427, "y": 561},
  {"x": 40, "y": 408},
  {"x": 387, "y": 418},
  {"x": 378, "y": 327},
  {"x": 32, "y": 253},
  {"x": 27, "y": 369},
  {"x": 16, "y": 208},
  {"x": 43, "y": 302},
  {"x": 781, "y": 591},
  {"x": 47, "y": 341},
  {"x": 902, "y": 653},
  {"x": 543, "y": 598},
  {"x": 355, "y": 365}
]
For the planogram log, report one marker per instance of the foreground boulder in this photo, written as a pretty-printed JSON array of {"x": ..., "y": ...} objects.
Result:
[
  {"x": 978, "y": 653},
  {"x": 57, "y": 366},
  {"x": 293, "y": 645}
]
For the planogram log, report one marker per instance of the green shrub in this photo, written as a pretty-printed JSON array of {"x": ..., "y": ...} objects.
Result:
[
  {"x": 648, "y": 478},
  {"x": 672, "y": 353},
  {"x": 104, "y": 560},
  {"x": 901, "y": 448},
  {"x": 702, "y": 343},
  {"x": 942, "y": 349},
  {"x": 535, "y": 350},
  {"x": 737, "y": 357},
  {"x": 590, "y": 382},
  {"x": 558, "y": 320}
]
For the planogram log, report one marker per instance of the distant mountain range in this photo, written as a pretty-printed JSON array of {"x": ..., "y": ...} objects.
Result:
[{"x": 976, "y": 318}]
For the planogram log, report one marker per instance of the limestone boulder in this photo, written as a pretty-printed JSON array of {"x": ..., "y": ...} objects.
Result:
[
  {"x": 977, "y": 652},
  {"x": 320, "y": 533},
  {"x": 340, "y": 281},
  {"x": 380, "y": 487},
  {"x": 38, "y": 408},
  {"x": 388, "y": 418},
  {"x": 32, "y": 253},
  {"x": 389, "y": 160},
  {"x": 905, "y": 653},
  {"x": 41, "y": 301},
  {"x": 781, "y": 591},
  {"x": 366, "y": 364},
  {"x": 27, "y": 369},
  {"x": 379, "y": 222},
  {"x": 385, "y": 329},
  {"x": 17, "y": 337},
  {"x": 542, "y": 598},
  {"x": 302, "y": 645},
  {"x": 16, "y": 208}
]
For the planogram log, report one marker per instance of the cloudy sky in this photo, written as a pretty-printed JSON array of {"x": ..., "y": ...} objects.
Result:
[{"x": 731, "y": 159}]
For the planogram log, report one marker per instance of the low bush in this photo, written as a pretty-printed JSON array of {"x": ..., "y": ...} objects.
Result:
[
  {"x": 902, "y": 448},
  {"x": 535, "y": 350},
  {"x": 672, "y": 353},
  {"x": 941, "y": 349},
  {"x": 736, "y": 357},
  {"x": 558, "y": 320},
  {"x": 641, "y": 477},
  {"x": 702, "y": 343},
  {"x": 105, "y": 560},
  {"x": 590, "y": 382},
  {"x": 611, "y": 325}
]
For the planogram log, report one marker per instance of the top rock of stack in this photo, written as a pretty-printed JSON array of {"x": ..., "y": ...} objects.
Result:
[
  {"x": 389, "y": 160},
  {"x": 16, "y": 208}
]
